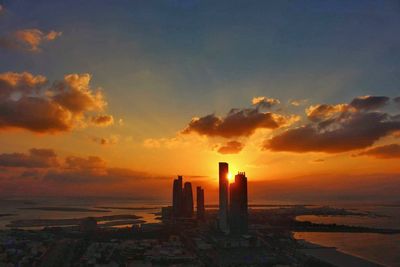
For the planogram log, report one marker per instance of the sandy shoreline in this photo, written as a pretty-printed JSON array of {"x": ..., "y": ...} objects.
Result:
[{"x": 334, "y": 257}]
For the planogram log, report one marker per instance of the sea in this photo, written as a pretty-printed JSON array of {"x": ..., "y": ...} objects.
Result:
[{"x": 380, "y": 248}]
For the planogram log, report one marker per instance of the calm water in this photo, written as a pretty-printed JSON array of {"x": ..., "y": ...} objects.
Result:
[
  {"x": 17, "y": 207},
  {"x": 384, "y": 249}
]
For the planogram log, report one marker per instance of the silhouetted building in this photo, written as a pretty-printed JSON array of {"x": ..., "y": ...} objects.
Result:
[
  {"x": 200, "y": 203},
  {"x": 238, "y": 210},
  {"x": 166, "y": 213},
  {"x": 187, "y": 200},
  {"x": 177, "y": 198},
  {"x": 223, "y": 197}
]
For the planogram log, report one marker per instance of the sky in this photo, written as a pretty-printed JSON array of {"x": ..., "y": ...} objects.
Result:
[{"x": 116, "y": 98}]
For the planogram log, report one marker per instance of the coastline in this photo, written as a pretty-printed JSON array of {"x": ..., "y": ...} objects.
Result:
[{"x": 335, "y": 257}]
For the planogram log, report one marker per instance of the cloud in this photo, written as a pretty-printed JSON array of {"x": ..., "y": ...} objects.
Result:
[
  {"x": 231, "y": 147},
  {"x": 322, "y": 112},
  {"x": 105, "y": 141},
  {"x": 265, "y": 102},
  {"x": 297, "y": 102},
  {"x": 369, "y": 102},
  {"x": 12, "y": 83},
  {"x": 41, "y": 172},
  {"x": 383, "y": 152},
  {"x": 36, "y": 158},
  {"x": 26, "y": 103},
  {"x": 89, "y": 163},
  {"x": 238, "y": 122},
  {"x": 103, "y": 120},
  {"x": 348, "y": 130},
  {"x": 28, "y": 39},
  {"x": 75, "y": 94}
]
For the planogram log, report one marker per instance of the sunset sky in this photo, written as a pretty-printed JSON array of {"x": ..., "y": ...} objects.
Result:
[{"x": 115, "y": 98}]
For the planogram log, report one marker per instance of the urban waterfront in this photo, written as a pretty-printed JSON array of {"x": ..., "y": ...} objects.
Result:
[{"x": 379, "y": 248}]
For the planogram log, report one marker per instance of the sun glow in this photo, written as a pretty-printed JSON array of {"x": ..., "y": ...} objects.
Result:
[{"x": 229, "y": 176}]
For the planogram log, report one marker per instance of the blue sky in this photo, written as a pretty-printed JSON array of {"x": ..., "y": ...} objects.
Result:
[{"x": 204, "y": 56}]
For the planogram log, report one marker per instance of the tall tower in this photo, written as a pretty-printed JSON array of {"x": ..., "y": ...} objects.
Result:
[
  {"x": 187, "y": 200},
  {"x": 223, "y": 197},
  {"x": 177, "y": 197},
  {"x": 238, "y": 216},
  {"x": 200, "y": 203}
]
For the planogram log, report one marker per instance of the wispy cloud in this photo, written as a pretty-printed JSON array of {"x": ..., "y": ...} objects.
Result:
[{"x": 28, "y": 39}]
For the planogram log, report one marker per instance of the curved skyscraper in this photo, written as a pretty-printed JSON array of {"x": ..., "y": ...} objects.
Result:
[
  {"x": 238, "y": 211},
  {"x": 187, "y": 200},
  {"x": 177, "y": 197},
  {"x": 223, "y": 197}
]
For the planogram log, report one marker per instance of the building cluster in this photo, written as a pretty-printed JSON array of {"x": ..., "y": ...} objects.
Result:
[
  {"x": 182, "y": 200},
  {"x": 220, "y": 238},
  {"x": 233, "y": 202}
]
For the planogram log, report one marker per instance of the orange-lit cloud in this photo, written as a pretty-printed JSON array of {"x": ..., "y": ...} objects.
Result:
[
  {"x": 103, "y": 120},
  {"x": 297, "y": 102},
  {"x": 231, "y": 147},
  {"x": 321, "y": 112},
  {"x": 29, "y": 39},
  {"x": 338, "y": 128},
  {"x": 265, "y": 102},
  {"x": 383, "y": 152},
  {"x": 238, "y": 122},
  {"x": 26, "y": 103}
]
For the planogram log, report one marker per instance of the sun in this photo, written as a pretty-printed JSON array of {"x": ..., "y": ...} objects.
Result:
[{"x": 229, "y": 176}]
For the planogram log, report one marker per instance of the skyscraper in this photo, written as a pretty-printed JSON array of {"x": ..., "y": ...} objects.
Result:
[
  {"x": 238, "y": 210},
  {"x": 223, "y": 197},
  {"x": 187, "y": 200},
  {"x": 177, "y": 197},
  {"x": 200, "y": 203}
]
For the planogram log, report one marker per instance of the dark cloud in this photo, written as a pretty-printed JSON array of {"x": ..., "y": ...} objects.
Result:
[
  {"x": 36, "y": 158},
  {"x": 238, "y": 122},
  {"x": 383, "y": 152},
  {"x": 26, "y": 103},
  {"x": 349, "y": 131},
  {"x": 89, "y": 163},
  {"x": 369, "y": 102},
  {"x": 103, "y": 175},
  {"x": 231, "y": 147}
]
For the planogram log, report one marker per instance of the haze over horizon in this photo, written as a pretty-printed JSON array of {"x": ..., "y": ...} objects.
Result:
[{"x": 116, "y": 99}]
